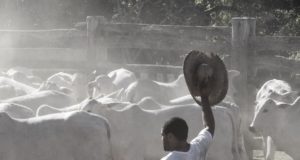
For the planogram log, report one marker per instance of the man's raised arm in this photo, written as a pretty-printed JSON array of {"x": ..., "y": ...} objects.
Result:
[{"x": 207, "y": 116}]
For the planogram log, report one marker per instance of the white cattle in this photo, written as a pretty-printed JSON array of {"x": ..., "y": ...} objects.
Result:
[
  {"x": 61, "y": 79},
  {"x": 280, "y": 92},
  {"x": 160, "y": 91},
  {"x": 63, "y": 136},
  {"x": 122, "y": 77},
  {"x": 76, "y": 84},
  {"x": 18, "y": 87},
  {"x": 101, "y": 86},
  {"x": 24, "y": 75},
  {"x": 140, "y": 129},
  {"x": 48, "y": 86},
  {"x": 16, "y": 110},
  {"x": 47, "y": 109},
  {"x": 80, "y": 86},
  {"x": 7, "y": 91},
  {"x": 149, "y": 103},
  {"x": 281, "y": 122},
  {"x": 49, "y": 97},
  {"x": 108, "y": 102}
]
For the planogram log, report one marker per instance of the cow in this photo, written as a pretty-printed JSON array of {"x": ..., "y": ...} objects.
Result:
[
  {"x": 280, "y": 121},
  {"x": 160, "y": 91},
  {"x": 65, "y": 136},
  {"x": 61, "y": 79},
  {"x": 49, "y": 97},
  {"x": 140, "y": 129},
  {"x": 14, "y": 87},
  {"x": 16, "y": 110},
  {"x": 75, "y": 84},
  {"x": 279, "y": 91},
  {"x": 122, "y": 77},
  {"x": 111, "y": 103},
  {"x": 8, "y": 91},
  {"x": 101, "y": 86},
  {"x": 149, "y": 103},
  {"x": 24, "y": 75}
]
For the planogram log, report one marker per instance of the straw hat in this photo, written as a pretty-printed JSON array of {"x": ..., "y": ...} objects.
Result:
[{"x": 205, "y": 74}]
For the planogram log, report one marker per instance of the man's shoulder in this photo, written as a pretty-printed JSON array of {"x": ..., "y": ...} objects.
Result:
[{"x": 204, "y": 133}]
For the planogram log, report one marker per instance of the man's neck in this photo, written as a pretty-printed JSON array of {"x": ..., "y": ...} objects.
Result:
[{"x": 183, "y": 147}]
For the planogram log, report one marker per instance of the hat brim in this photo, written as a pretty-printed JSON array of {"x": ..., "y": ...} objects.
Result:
[{"x": 218, "y": 82}]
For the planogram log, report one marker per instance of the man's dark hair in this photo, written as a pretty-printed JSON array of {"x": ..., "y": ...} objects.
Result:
[{"x": 178, "y": 127}]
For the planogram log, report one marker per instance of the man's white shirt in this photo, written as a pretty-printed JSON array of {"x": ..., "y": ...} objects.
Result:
[{"x": 198, "y": 148}]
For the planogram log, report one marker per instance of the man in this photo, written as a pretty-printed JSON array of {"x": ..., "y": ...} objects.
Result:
[
  {"x": 206, "y": 77},
  {"x": 174, "y": 135}
]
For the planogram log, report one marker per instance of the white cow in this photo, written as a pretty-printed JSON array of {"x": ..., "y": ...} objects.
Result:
[
  {"x": 140, "y": 129},
  {"x": 281, "y": 122},
  {"x": 108, "y": 102},
  {"x": 149, "y": 103},
  {"x": 61, "y": 79},
  {"x": 8, "y": 91},
  {"x": 63, "y": 136},
  {"x": 77, "y": 84},
  {"x": 18, "y": 87},
  {"x": 280, "y": 92},
  {"x": 101, "y": 86},
  {"x": 49, "y": 97},
  {"x": 16, "y": 110},
  {"x": 122, "y": 77},
  {"x": 24, "y": 75},
  {"x": 160, "y": 91}
]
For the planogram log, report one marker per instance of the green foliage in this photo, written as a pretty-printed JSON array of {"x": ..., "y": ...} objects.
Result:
[{"x": 274, "y": 17}]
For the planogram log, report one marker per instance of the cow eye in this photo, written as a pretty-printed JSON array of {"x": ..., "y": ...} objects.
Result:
[{"x": 265, "y": 111}]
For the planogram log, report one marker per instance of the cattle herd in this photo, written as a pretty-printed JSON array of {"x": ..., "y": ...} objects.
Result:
[{"x": 117, "y": 116}]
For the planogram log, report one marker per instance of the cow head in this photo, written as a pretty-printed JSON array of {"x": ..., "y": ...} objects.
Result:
[
  {"x": 269, "y": 117},
  {"x": 273, "y": 88}
]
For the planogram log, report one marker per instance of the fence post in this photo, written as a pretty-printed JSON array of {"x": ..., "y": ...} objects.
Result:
[
  {"x": 243, "y": 36},
  {"x": 96, "y": 51}
]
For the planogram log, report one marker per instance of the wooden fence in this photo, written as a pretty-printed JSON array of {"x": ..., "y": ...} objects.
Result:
[{"x": 164, "y": 38}]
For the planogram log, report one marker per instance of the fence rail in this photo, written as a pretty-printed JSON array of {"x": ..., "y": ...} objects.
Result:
[
  {"x": 58, "y": 38},
  {"x": 277, "y": 43}
]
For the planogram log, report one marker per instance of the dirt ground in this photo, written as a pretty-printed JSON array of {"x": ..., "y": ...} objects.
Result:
[{"x": 258, "y": 155}]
